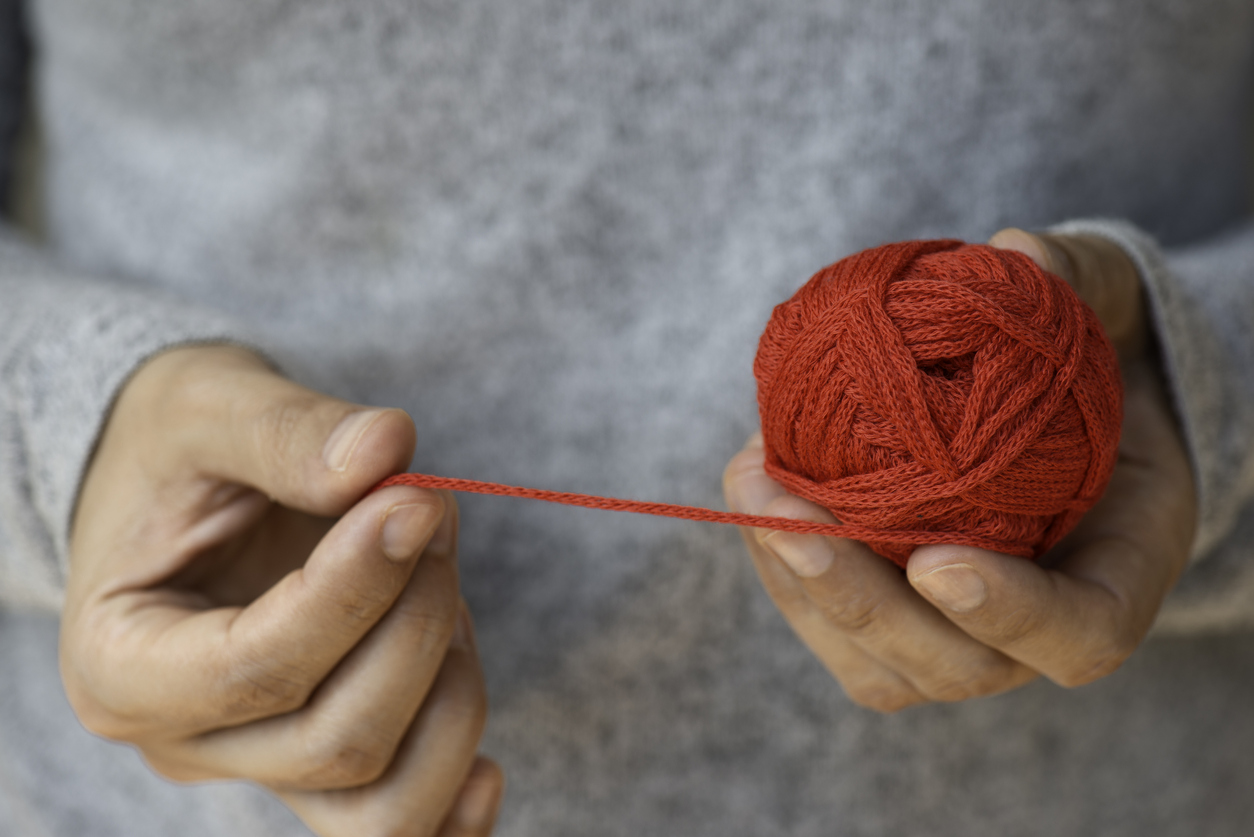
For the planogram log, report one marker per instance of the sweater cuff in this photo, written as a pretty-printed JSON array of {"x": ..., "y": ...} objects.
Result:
[{"x": 69, "y": 346}]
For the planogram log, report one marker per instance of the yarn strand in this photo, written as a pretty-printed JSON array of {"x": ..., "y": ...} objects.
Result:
[
  {"x": 923, "y": 392},
  {"x": 681, "y": 512}
]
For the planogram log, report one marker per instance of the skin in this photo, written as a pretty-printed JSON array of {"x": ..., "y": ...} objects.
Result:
[
  {"x": 963, "y": 622},
  {"x": 237, "y": 609}
]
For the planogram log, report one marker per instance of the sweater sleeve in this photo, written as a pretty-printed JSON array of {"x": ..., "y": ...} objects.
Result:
[
  {"x": 1201, "y": 304},
  {"x": 68, "y": 342}
]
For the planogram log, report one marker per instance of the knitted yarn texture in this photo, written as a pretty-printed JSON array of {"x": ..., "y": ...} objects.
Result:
[
  {"x": 943, "y": 387},
  {"x": 923, "y": 392}
]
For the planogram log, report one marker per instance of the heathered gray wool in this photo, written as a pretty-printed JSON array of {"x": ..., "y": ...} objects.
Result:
[{"x": 552, "y": 230}]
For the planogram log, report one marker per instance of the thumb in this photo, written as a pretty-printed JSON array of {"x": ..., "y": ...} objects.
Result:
[
  {"x": 1072, "y": 626},
  {"x": 240, "y": 421},
  {"x": 1098, "y": 270}
]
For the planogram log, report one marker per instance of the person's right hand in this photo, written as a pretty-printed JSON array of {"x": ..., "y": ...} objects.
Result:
[{"x": 221, "y": 619}]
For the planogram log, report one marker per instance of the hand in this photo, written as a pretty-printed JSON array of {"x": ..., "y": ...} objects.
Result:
[
  {"x": 220, "y": 619},
  {"x": 965, "y": 622}
]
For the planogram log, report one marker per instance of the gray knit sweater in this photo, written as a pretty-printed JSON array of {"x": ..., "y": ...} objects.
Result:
[{"x": 552, "y": 230}]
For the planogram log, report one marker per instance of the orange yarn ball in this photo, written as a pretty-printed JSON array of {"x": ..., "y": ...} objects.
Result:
[{"x": 940, "y": 387}]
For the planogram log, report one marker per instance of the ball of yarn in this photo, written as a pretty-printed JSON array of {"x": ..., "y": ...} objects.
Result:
[{"x": 936, "y": 391}]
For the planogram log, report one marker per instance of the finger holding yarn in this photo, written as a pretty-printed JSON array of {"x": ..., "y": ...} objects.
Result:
[{"x": 943, "y": 388}]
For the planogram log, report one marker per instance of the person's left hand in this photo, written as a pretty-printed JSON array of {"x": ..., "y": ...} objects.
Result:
[{"x": 965, "y": 622}]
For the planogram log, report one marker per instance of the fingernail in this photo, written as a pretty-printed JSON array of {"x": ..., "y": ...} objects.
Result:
[
  {"x": 476, "y": 807},
  {"x": 463, "y": 633},
  {"x": 406, "y": 529},
  {"x": 808, "y": 556},
  {"x": 957, "y": 587},
  {"x": 338, "y": 450}
]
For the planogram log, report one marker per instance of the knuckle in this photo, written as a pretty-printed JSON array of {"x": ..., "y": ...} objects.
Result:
[
  {"x": 354, "y": 603},
  {"x": 277, "y": 432},
  {"x": 99, "y": 709},
  {"x": 984, "y": 680},
  {"x": 857, "y": 615},
  {"x": 428, "y": 627},
  {"x": 1013, "y": 628},
  {"x": 171, "y": 769},
  {"x": 792, "y": 600},
  {"x": 1112, "y": 640},
  {"x": 1101, "y": 660},
  {"x": 165, "y": 771},
  {"x": 463, "y": 702},
  {"x": 259, "y": 689},
  {"x": 359, "y": 604},
  {"x": 887, "y": 699},
  {"x": 94, "y": 717},
  {"x": 341, "y": 758},
  {"x": 954, "y": 691}
]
